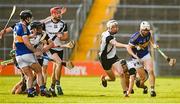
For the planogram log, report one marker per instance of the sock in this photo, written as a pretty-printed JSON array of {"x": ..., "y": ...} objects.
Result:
[
  {"x": 57, "y": 82},
  {"x": 144, "y": 87},
  {"x": 42, "y": 88},
  {"x": 30, "y": 90},
  {"x": 52, "y": 89},
  {"x": 152, "y": 88},
  {"x": 52, "y": 86}
]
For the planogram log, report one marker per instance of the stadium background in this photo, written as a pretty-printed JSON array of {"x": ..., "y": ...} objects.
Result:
[{"x": 87, "y": 20}]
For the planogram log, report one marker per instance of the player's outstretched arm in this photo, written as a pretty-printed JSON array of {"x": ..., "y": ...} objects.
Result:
[
  {"x": 129, "y": 49},
  {"x": 5, "y": 31},
  {"x": 131, "y": 84},
  {"x": 118, "y": 44},
  {"x": 63, "y": 36}
]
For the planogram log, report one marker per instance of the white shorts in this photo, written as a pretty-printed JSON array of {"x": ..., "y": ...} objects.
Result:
[
  {"x": 134, "y": 63},
  {"x": 45, "y": 62},
  {"x": 57, "y": 42},
  {"x": 146, "y": 57},
  {"x": 49, "y": 54},
  {"x": 26, "y": 60}
]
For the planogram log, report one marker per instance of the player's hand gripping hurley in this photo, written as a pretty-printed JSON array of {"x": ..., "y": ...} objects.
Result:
[
  {"x": 171, "y": 61},
  {"x": 70, "y": 44},
  {"x": 12, "y": 13}
]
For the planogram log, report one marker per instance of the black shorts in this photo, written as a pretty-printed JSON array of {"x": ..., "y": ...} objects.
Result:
[
  {"x": 40, "y": 61},
  {"x": 60, "y": 53},
  {"x": 107, "y": 63}
]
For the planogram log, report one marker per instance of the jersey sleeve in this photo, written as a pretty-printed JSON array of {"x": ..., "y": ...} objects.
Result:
[
  {"x": 64, "y": 28},
  {"x": 13, "y": 26},
  {"x": 133, "y": 40},
  {"x": 44, "y": 27}
]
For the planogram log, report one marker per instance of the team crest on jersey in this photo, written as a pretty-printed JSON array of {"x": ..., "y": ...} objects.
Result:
[
  {"x": 49, "y": 26},
  {"x": 55, "y": 26}
]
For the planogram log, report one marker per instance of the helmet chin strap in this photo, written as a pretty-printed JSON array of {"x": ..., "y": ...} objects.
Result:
[
  {"x": 141, "y": 33},
  {"x": 112, "y": 33},
  {"x": 27, "y": 23}
]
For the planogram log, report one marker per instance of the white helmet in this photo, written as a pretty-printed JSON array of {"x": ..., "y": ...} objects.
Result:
[
  {"x": 144, "y": 25},
  {"x": 111, "y": 23}
]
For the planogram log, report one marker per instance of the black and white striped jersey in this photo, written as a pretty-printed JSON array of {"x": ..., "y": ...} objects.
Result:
[
  {"x": 52, "y": 29},
  {"x": 111, "y": 49}
]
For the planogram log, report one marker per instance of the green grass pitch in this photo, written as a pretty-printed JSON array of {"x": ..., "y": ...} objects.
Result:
[{"x": 89, "y": 90}]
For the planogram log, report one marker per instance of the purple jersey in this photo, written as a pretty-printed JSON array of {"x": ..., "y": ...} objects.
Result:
[{"x": 138, "y": 40}]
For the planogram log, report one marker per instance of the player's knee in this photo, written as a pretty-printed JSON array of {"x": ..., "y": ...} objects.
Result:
[
  {"x": 143, "y": 79},
  {"x": 36, "y": 67}
]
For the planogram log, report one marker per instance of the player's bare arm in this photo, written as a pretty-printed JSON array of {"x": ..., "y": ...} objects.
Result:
[
  {"x": 48, "y": 46},
  {"x": 28, "y": 44},
  {"x": 118, "y": 44},
  {"x": 131, "y": 84},
  {"x": 63, "y": 36},
  {"x": 4, "y": 31},
  {"x": 129, "y": 49},
  {"x": 152, "y": 43}
]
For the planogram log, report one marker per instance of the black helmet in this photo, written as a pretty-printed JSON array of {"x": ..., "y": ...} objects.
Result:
[
  {"x": 25, "y": 14},
  {"x": 36, "y": 25}
]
